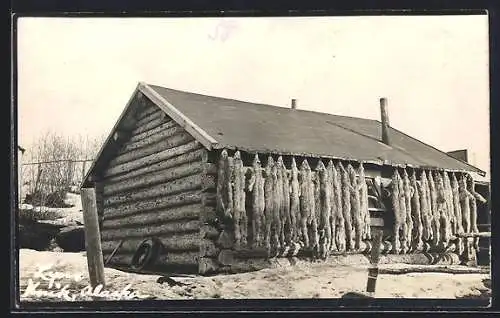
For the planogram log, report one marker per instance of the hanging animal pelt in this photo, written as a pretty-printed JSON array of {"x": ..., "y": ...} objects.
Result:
[
  {"x": 346, "y": 207},
  {"x": 313, "y": 221},
  {"x": 306, "y": 200},
  {"x": 269, "y": 203},
  {"x": 418, "y": 228},
  {"x": 436, "y": 217},
  {"x": 442, "y": 209},
  {"x": 465, "y": 203},
  {"x": 449, "y": 201},
  {"x": 363, "y": 193},
  {"x": 332, "y": 175},
  {"x": 295, "y": 202},
  {"x": 325, "y": 209},
  {"x": 408, "y": 193},
  {"x": 281, "y": 201},
  {"x": 340, "y": 234},
  {"x": 287, "y": 226},
  {"x": 423, "y": 210},
  {"x": 465, "y": 197},
  {"x": 425, "y": 207},
  {"x": 473, "y": 209},
  {"x": 228, "y": 186},
  {"x": 238, "y": 200},
  {"x": 222, "y": 199},
  {"x": 396, "y": 206},
  {"x": 277, "y": 200},
  {"x": 256, "y": 186},
  {"x": 404, "y": 228},
  {"x": 355, "y": 207},
  {"x": 457, "y": 208}
]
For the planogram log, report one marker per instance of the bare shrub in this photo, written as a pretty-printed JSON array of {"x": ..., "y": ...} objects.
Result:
[{"x": 59, "y": 167}]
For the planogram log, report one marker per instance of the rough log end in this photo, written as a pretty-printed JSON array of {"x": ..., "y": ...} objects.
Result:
[{"x": 226, "y": 257}]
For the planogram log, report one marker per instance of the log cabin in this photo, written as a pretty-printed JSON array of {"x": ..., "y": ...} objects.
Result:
[{"x": 199, "y": 184}]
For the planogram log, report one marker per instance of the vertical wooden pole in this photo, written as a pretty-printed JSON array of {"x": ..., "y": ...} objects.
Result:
[
  {"x": 377, "y": 234},
  {"x": 92, "y": 237}
]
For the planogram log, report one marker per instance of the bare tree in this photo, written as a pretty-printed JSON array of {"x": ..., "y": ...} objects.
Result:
[{"x": 59, "y": 167}]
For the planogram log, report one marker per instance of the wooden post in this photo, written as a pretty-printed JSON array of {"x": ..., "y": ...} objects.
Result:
[
  {"x": 377, "y": 233},
  {"x": 92, "y": 237}
]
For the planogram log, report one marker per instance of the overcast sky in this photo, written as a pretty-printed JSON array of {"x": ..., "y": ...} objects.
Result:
[{"x": 76, "y": 74}]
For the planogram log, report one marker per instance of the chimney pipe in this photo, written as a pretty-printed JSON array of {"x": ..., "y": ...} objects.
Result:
[
  {"x": 294, "y": 103},
  {"x": 385, "y": 120}
]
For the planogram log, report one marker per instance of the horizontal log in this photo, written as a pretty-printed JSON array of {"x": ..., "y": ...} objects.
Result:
[
  {"x": 207, "y": 266},
  {"x": 152, "y": 230},
  {"x": 193, "y": 156},
  {"x": 184, "y": 212},
  {"x": 184, "y": 258},
  {"x": 418, "y": 258},
  {"x": 168, "y": 143},
  {"x": 153, "y": 178},
  {"x": 147, "y": 110},
  {"x": 150, "y": 117},
  {"x": 152, "y": 204},
  {"x": 161, "y": 270},
  {"x": 433, "y": 269},
  {"x": 150, "y": 125},
  {"x": 478, "y": 234},
  {"x": 246, "y": 253},
  {"x": 152, "y": 132},
  {"x": 152, "y": 159},
  {"x": 208, "y": 199},
  {"x": 175, "y": 242},
  {"x": 188, "y": 183},
  {"x": 226, "y": 257},
  {"x": 159, "y": 136}
]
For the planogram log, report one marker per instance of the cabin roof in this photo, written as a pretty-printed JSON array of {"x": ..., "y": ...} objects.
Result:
[{"x": 220, "y": 123}]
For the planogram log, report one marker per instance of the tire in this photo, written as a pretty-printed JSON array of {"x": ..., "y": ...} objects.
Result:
[{"x": 146, "y": 254}]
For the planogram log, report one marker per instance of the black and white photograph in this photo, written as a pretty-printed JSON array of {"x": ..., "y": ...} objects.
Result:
[{"x": 286, "y": 157}]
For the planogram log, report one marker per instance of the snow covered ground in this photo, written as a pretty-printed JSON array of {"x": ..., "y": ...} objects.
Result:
[
  {"x": 313, "y": 280},
  {"x": 304, "y": 280}
]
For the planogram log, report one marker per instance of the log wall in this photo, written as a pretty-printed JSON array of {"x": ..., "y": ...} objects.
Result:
[
  {"x": 272, "y": 210},
  {"x": 155, "y": 186}
]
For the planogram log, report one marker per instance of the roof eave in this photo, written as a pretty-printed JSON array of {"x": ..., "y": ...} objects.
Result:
[
  {"x": 197, "y": 132},
  {"x": 325, "y": 156},
  {"x": 474, "y": 168}
]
